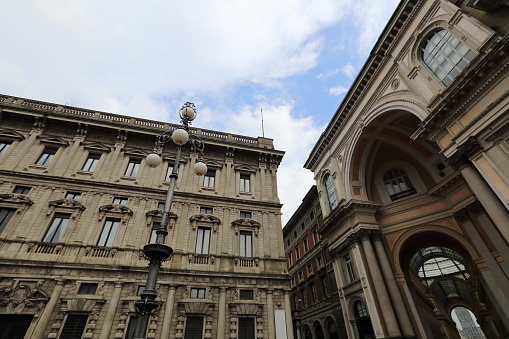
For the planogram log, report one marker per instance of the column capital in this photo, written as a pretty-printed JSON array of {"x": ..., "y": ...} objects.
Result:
[{"x": 461, "y": 158}]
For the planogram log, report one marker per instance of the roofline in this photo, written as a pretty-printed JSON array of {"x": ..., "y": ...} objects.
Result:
[{"x": 376, "y": 57}]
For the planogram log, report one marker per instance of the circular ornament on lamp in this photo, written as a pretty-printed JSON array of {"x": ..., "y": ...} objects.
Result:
[
  {"x": 153, "y": 160},
  {"x": 188, "y": 112},
  {"x": 180, "y": 136},
  {"x": 200, "y": 168}
]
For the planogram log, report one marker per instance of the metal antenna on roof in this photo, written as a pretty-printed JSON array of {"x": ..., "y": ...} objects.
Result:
[{"x": 263, "y": 131}]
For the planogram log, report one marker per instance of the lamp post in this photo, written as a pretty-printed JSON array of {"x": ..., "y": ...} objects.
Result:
[{"x": 158, "y": 252}]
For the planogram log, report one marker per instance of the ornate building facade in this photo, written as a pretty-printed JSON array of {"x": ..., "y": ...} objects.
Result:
[
  {"x": 316, "y": 310},
  {"x": 413, "y": 178},
  {"x": 78, "y": 203}
]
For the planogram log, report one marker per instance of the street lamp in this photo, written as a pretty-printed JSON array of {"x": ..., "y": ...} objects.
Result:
[{"x": 158, "y": 252}]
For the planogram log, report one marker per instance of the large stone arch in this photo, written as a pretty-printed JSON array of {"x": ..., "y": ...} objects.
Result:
[{"x": 383, "y": 126}]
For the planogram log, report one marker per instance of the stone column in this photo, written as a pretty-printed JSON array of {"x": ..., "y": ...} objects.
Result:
[
  {"x": 221, "y": 321},
  {"x": 168, "y": 313},
  {"x": 392, "y": 286},
  {"x": 297, "y": 330},
  {"x": 484, "y": 193},
  {"x": 110, "y": 313},
  {"x": 270, "y": 315},
  {"x": 48, "y": 310},
  {"x": 378, "y": 281},
  {"x": 288, "y": 316}
]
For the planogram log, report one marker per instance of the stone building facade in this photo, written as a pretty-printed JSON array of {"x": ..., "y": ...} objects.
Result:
[
  {"x": 316, "y": 310},
  {"x": 413, "y": 178},
  {"x": 77, "y": 205}
]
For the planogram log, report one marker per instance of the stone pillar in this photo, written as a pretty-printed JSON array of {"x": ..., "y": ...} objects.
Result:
[
  {"x": 392, "y": 286},
  {"x": 168, "y": 313},
  {"x": 48, "y": 310},
  {"x": 297, "y": 330},
  {"x": 288, "y": 316},
  {"x": 221, "y": 321},
  {"x": 381, "y": 291},
  {"x": 270, "y": 315},
  {"x": 484, "y": 193},
  {"x": 110, "y": 313}
]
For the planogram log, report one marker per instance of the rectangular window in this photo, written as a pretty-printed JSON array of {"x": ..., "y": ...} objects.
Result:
[
  {"x": 202, "y": 240},
  {"x": 315, "y": 236},
  {"x": 290, "y": 259},
  {"x": 22, "y": 189},
  {"x": 194, "y": 328},
  {"x": 153, "y": 234},
  {"x": 73, "y": 195},
  {"x": 246, "y": 295},
  {"x": 310, "y": 268},
  {"x": 120, "y": 201},
  {"x": 325, "y": 287},
  {"x": 245, "y": 183},
  {"x": 5, "y": 215},
  {"x": 349, "y": 268},
  {"x": 109, "y": 232},
  {"x": 131, "y": 327},
  {"x": 319, "y": 260},
  {"x": 246, "y": 328},
  {"x": 91, "y": 163},
  {"x": 169, "y": 171},
  {"x": 132, "y": 168},
  {"x": 57, "y": 228},
  {"x": 313, "y": 292},
  {"x": 87, "y": 288},
  {"x": 305, "y": 242},
  {"x": 4, "y": 146},
  {"x": 198, "y": 293},
  {"x": 209, "y": 179},
  {"x": 301, "y": 276},
  {"x": 46, "y": 156},
  {"x": 304, "y": 301},
  {"x": 74, "y": 326},
  {"x": 160, "y": 205},
  {"x": 297, "y": 253},
  {"x": 293, "y": 281},
  {"x": 206, "y": 210},
  {"x": 246, "y": 249},
  {"x": 246, "y": 215}
]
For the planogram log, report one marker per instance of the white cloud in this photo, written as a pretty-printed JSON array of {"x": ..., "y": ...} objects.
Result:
[
  {"x": 323, "y": 76},
  {"x": 349, "y": 71},
  {"x": 295, "y": 135},
  {"x": 337, "y": 91}
]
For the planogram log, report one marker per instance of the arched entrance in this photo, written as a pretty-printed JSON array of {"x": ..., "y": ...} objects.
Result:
[
  {"x": 332, "y": 328},
  {"x": 466, "y": 323},
  {"x": 319, "y": 331},
  {"x": 307, "y": 333},
  {"x": 443, "y": 276},
  {"x": 363, "y": 321}
]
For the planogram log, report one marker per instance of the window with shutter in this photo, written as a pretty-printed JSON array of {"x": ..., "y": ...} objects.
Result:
[
  {"x": 246, "y": 328},
  {"x": 74, "y": 326},
  {"x": 194, "y": 328}
]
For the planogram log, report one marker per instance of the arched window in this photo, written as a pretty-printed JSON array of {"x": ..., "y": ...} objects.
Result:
[
  {"x": 360, "y": 310},
  {"x": 330, "y": 191},
  {"x": 445, "y": 55},
  {"x": 398, "y": 183}
]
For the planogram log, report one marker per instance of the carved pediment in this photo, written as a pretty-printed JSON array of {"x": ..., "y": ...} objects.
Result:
[
  {"x": 196, "y": 307},
  {"x": 70, "y": 204},
  {"x": 135, "y": 151},
  {"x": 53, "y": 141},
  {"x": 88, "y": 304},
  {"x": 245, "y": 168},
  {"x": 246, "y": 308},
  {"x": 158, "y": 214},
  {"x": 206, "y": 219},
  {"x": 213, "y": 164},
  {"x": 96, "y": 146},
  {"x": 16, "y": 198},
  {"x": 246, "y": 223},
  {"x": 114, "y": 209},
  {"x": 24, "y": 295},
  {"x": 11, "y": 135},
  {"x": 67, "y": 203}
]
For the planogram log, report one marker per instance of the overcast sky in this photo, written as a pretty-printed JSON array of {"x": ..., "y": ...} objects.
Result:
[{"x": 295, "y": 59}]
